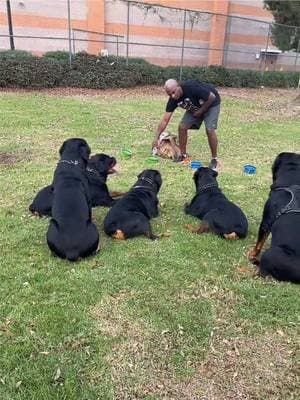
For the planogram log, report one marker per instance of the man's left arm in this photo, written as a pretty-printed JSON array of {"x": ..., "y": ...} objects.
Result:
[{"x": 205, "y": 106}]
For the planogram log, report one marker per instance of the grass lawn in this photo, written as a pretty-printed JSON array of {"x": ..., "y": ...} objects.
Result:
[{"x": 177, "y": 318}]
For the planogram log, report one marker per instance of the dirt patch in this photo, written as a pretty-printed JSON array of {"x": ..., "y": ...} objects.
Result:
[
  {"x": 142, "y": 91},
  {"x": 10, "y": 158},
  {"x": 236, "y": 367}
]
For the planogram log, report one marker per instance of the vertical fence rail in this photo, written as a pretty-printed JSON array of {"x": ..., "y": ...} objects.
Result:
[
  {"x": 10, "y": 25},
  {"x": 127, "y": 34},
  {"x": 69, "y": 33},
  {"x": 227, "y": 41},
  {"x": 182, "y": 46}
]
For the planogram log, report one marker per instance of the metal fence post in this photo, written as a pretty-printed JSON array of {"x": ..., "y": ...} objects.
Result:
[
  {"x": 297, "y": 52},
  {"x": 182, "y": 47},
  {"x": 266, "y": 52},
  {"x": 73, "y": 41},
  {"x": 69, "y": 29},
  {"x": 127, "y": 38},
  {"x": 10, "y": 26},
  {"x": 227, "y": 41}
]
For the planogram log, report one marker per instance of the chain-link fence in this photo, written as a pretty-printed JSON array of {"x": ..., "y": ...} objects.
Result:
[{"x": 168, "y": 36}]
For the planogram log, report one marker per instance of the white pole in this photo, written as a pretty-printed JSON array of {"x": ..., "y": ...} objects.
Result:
[{"x": 69, "y": 28}]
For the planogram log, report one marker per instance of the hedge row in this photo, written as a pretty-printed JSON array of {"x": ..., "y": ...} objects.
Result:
[{"x": 22, "y": 69}]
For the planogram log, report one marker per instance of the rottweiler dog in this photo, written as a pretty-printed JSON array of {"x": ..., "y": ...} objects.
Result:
[
  {"x": 218, "y": 214},
  {"x": 131, "y": 215},
  {"x": 98, "y": 168},
  {"x": 281, "y": 218},
  {"x": 71, "y": 234}
]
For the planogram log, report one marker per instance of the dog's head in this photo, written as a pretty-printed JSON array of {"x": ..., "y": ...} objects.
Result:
[
  {"x": 204, "y": 175},
  {"x": 75, "y": 147},
  {"x": 152, "y": 176},
  {"x": 285, "y": 163},
  {"x": 103, "y": 164}
]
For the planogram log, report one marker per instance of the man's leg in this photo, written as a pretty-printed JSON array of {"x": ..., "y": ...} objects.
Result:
[
  {"x": 188, "y": 122},
  {"x": 182, "y": 137},
  {"x": 213, "y": 142},
  {"x": 211, "y": 124}
]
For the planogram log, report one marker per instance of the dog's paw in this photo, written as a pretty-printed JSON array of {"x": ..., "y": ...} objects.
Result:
[
  {"x": 231, "y": 236},
  {"x": 190, "y": 227},
  {"x": 252, "y": 256},
  {"x": 119, "y": 235}
]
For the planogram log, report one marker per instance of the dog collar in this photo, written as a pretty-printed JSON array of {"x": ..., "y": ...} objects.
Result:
[
  {"x": 92, "y": 171},
  {"x": 70, "y": 162},
  {"x": 147, "y": 180},
  {"x": 207, "y": 187}
]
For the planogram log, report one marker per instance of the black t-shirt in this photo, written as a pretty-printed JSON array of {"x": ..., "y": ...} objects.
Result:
[{"x": 195, "y": 93}]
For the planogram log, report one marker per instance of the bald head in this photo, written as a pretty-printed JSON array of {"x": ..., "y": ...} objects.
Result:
[
  {"x": 173, "y": 89},
  {"x": 171, "y": 84}
]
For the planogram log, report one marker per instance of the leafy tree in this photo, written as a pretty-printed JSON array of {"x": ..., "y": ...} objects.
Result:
[{"x": 287, "y": 13}]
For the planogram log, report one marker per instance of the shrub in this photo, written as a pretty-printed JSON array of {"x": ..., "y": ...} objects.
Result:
[
  {"x": 22, "y": 69},
  {"x": 32, "y": 72},
  {"x": 60, "y": 56},
  {"x": 14, "y": 54}
]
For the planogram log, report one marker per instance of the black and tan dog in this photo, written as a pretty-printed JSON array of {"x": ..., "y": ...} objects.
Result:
[
  {"x": 71, "y": 233},
  {"x": 281, "y": 218},
  {"x": 98, "y": 168},
  {"x": 218, "y": 214},
  {"x": 131, "y": 215}
]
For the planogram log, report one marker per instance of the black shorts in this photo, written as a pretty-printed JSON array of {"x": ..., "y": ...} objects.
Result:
[{"x": 210, "y": 119}]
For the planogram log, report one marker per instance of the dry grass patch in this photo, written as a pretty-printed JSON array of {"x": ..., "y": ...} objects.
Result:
[
  {"x": 13, "y": 158},
  {"x": 236, "y": 366}
]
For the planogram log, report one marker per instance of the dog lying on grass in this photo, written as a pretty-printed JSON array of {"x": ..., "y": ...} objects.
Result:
[
  {"x": 167, "y": 147},
  {"x": 218, "y": 214},
  {"x": 98, "y": 168},
  {"x": 281, "y": 217},
  {"x": 131, "y": 215},
  {"x": 71, "y": 234}
]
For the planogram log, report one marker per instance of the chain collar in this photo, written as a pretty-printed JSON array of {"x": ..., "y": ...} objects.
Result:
[
  {"x": 145, "y": 187},
  {"x": 207, "y": 187},
  {"x": 70, "y": 162},
  {"x": 92, "y": 171}
]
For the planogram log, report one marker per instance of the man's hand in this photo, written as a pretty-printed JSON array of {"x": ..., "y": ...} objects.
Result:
[
  {"x": 154, "y": 143},
  {"x": 198, "y": 113}
]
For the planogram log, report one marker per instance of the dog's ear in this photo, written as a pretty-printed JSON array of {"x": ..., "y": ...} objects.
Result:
[
  {"x": 85, "y": 151},
  {"x": 158, "y": 179},
  {"x": 215, "y": 173},
  {"x": 62, "y": 148},
  {"x": 277, "y": 163}
]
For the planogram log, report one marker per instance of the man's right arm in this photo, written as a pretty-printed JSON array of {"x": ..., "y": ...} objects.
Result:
[{"x": 161, "y": 127}]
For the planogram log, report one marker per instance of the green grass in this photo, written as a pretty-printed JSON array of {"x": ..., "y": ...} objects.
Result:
[{"x": 142, "y": 319}]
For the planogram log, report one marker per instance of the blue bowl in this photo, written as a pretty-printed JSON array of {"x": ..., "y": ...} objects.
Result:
[
  {"x": 195, "y": 164},
  {"x": 249, "y": 169}
]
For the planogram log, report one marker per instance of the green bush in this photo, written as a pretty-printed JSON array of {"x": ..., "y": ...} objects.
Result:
[
  {"x": 60, "y": 56},
  {"x": 21, "y": 69},
  {"x": 14, "y": 54},
  {"x": 31, "y": 72}
]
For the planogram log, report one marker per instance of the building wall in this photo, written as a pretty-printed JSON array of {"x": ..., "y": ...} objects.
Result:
[{"x": 152, "y": 29}]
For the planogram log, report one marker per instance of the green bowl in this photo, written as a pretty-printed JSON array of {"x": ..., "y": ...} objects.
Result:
[
  {"x": 126, "y": 153},
  {"x": 152, "y": 159}
]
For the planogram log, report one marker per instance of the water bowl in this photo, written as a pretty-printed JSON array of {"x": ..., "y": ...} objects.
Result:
[
  {"x": 126, "y": 153},
  {"x": 249, "y": 169},
  {"x": 195, "y": 165}
]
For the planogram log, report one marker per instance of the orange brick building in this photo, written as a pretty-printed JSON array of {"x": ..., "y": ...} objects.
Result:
[{"x": 217, "y": 32}]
